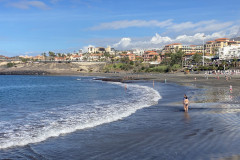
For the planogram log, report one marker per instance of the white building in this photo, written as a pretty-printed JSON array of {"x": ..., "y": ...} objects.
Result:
[
  {"x": 110, "y": 50},
  {"x": 229, "y": 52},
  {"x": 138, "y": 52},
  {"x": 91, "y": 50},
  {"x": 101, "y": 50}
]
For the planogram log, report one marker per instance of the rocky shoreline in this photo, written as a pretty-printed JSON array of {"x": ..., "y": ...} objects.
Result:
[
  {"x": 24, "y": 72},
  {"x": 51, "y": 68}
]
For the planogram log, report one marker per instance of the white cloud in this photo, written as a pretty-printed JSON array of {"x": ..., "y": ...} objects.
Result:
[
  {"x": 185, "y": 32},
  {"x": 133, "y": 23},
  {"x": 189, "y": 33},
  {"x": 158, "y": 41},
  {"x": 25, "y": 4},
  {"x": 123, "y": 43}
]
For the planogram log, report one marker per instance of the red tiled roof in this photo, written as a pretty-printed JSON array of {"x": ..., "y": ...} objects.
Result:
[
  {"x": 130, "y": 54},
  {"x": 75, "y": 56},
  {"x": 153, "y": 53},
  {"x": 190, "y": 54},
  {"x": 176, "y": 43},
  {"x": 173, "y": 44},
  {"x": 60, "y": 58},
  {"x": 221, "y": 39},
  {"x": 100, "y": 54},
  {"x": 149, "y": 51}
]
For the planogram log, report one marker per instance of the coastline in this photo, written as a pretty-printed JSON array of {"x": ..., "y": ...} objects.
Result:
[
  {"x": 178, "y": 78},
  {"x": 198, "y": 80},
  {"x": 95, "y": 69}
]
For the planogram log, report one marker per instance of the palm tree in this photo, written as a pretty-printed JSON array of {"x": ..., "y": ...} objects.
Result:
[
  {"x": 234, "y": 62},
  {"x": 224, "y": 64},
  {"x": 44, "y": 55}
]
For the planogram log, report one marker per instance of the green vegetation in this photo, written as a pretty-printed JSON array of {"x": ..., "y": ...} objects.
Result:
[
  {"x": 25, "y": 59},
  {"x": 173, "y": 62},
  {"x": 197, "y": 58},
  {"x": 161, "y": 69},
  {"x": 10, "y": 65}
]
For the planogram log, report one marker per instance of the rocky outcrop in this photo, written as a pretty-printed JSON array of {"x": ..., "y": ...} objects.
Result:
[
  {"x": 26, "y": 72},
  {"x": 52, "y": 68}
]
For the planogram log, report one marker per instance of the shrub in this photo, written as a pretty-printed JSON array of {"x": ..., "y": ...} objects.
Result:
[
  {"x": 160, "y": 69},
  {"x": 169, "y": 69},
  {"x": 175, "y": 67},
  {"x": 10, "y": 65}
]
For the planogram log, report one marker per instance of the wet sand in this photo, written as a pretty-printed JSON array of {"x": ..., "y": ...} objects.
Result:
[
  {"x": 215, "y": 109},
  {"x": 199, "y": 80}
]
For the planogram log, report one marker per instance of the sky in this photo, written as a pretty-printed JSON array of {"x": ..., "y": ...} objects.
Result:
[{"x": 31, "y": 27}]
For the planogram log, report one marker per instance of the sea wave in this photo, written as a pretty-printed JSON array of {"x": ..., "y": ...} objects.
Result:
[{"x": 37, "y": 127}]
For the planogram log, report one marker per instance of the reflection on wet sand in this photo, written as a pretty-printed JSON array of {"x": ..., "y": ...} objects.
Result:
[
  {"x": 213, "y": 95},
  {"x": 186, "y": 117}
]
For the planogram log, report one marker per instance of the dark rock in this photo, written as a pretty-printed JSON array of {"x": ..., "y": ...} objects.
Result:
[{"x": 26, "y": 72}]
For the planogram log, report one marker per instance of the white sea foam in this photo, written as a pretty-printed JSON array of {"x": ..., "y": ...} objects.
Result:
[{"x": 62, "y": 120}]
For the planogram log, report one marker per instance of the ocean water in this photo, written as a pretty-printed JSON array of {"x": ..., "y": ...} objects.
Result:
[{"x": 71, "y": 117}]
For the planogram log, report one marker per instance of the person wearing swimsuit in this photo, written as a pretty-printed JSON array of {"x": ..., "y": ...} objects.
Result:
[{"x": 186, "y": 103}]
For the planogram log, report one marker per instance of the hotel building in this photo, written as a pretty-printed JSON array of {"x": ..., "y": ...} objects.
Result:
[{"x": 212, "y": 47}]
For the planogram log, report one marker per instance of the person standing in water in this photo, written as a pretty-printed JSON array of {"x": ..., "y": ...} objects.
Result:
[
  {"x": 183, "y": 100},
  {"x": 186, "y": 103}
]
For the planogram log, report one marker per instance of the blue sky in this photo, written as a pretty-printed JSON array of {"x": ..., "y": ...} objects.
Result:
[{"x": 31, "y": 27}]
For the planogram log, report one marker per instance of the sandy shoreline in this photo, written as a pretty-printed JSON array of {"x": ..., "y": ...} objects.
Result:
[
  {"x": 179, "y": 78},
  {"x": 198, "y": 80}
]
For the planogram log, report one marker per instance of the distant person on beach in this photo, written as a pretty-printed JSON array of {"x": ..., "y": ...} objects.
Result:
[
  {"x": 184, "y": 97},
  {"x": 186, "y": 103}
]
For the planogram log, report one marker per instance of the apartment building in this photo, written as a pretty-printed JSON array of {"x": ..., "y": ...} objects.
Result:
[
  {"x": 91, "y": 49},
  {"x": 212, "y": 47},
  {"x": 138, "y": 52},
  {"x": 150, "y": 56},
  {"x": 172, "y": 48},
  {"x": 229, "y": 52},
  {"x": 187, "y": 49},
  {"x": 131, "y": 56},
  {"x": 101, "y": 50}
]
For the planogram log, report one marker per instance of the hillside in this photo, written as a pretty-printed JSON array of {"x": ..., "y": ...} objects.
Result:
[{"x": 52, "y": 68}]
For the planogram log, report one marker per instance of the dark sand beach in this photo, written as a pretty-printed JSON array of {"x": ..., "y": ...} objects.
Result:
[{"x": 211, "y": 128}]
